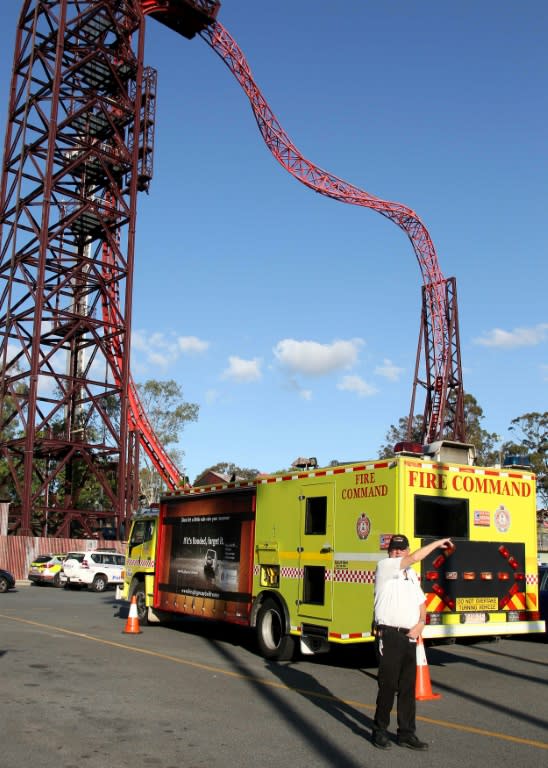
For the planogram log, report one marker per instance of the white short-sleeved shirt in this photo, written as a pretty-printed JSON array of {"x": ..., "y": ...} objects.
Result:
[{"x": 398, "y": 595}]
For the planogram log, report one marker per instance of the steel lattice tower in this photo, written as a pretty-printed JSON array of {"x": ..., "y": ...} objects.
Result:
[{"x": 77, "y": 151}]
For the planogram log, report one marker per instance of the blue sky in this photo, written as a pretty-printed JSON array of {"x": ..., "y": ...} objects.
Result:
[{"x": 292, "y": 319}]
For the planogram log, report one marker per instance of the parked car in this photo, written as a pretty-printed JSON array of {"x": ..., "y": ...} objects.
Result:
[
  {"x": 7, "y": 580},
  {"x": 47, "y": 569},
  {"x": 96, "y": 569},
  {"x": 543, "y": 594}
]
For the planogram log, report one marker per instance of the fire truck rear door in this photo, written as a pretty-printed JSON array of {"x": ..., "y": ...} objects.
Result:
[{"x": 316, "y": 555}]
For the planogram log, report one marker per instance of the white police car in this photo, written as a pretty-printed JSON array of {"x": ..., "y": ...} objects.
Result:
[{"x": 97, "y": 569}]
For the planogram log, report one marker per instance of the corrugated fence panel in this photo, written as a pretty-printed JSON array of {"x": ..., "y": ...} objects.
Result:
[{"x": 18, "y": 552}]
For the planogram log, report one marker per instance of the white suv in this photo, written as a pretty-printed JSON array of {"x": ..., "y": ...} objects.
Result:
[{"x": 97, "y": 569}]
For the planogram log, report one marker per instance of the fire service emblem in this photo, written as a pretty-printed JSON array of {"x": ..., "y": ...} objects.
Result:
[
  {"x": 363, "y": 526},
  {"x": 502, "y": 519}
]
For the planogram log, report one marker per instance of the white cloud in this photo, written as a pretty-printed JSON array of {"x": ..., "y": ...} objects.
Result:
[
  {"x": 46, "y": 386},
  {"x": 13, "y": 351},
  {"x": 160, "y": 349},
  {"x": 242, "y": 370},
  {"x": 544, "y": 372},
  {"x": 358, "y": 385},
  {"x": 138, "y": 340},
  {"x": 159, "y": 359},
  {"x": 192, "y": 344},
  {"x": 388, "y": 370},
  {"x": 311, "y": 358},
  {"x": 157, "y": 349},
  {"x": 519, "y": 337}
]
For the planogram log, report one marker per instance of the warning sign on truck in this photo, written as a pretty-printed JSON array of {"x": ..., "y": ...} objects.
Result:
[{"x": 477, "y": 604}]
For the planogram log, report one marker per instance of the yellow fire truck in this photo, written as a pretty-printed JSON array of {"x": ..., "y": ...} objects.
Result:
[{"x": 293, "y": 555}]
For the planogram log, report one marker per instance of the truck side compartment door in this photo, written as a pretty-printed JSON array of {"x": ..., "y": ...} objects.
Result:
[{"x": 316, "y": 551}]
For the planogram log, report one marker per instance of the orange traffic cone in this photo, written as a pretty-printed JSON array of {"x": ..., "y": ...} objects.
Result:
[
  {"x": 423, "y": 688},
  {"x": 132, "y": 624}
]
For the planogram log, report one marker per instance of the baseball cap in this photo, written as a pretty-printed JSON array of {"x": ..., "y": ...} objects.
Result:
[{"x": 398, "y": 541}]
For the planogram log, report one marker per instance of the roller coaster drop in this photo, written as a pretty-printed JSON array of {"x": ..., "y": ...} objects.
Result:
[{"x": 78, "y": 149}]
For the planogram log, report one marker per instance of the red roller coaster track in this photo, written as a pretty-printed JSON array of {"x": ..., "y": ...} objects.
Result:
[
  {"x": 443, "y": 413},
  {"x": 439, "y": 303},
  {"x": 436, "y": 298},
  {"x": 78, "y": 150}
]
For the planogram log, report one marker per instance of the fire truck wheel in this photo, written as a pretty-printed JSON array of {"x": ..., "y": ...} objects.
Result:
[
  {"x": 138, "y": 591},
  {"x": 273, "y": 642}
]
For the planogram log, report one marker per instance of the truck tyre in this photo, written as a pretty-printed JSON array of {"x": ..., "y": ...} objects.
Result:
[
  {"x": 138, "y": 591},
  {"x": 57, "y": 580},
  {"x": 99, "y": 583},
  {"x": 273, "y": 641}
]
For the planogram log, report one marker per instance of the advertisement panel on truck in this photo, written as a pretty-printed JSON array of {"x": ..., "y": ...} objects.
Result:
[{"x": 205, "y": 554}]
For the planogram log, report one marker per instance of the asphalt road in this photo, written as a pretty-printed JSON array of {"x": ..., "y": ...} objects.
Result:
[{"x": 78, "y": 691}]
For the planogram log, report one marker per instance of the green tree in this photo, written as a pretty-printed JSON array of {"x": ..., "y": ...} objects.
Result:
[
  {"x": 483, "y": 441},
  {"x": 398, "y": 432},
  {"x": 11, "y": 462},
  {"x": 168, "y": 413},
  {"x": 9, "y": 431},
  {"x": 531, "y": 431},
  {"x": 166, "y": 409}
]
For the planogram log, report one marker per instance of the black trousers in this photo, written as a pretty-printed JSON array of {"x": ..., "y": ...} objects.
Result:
[{"x": 397, "y": 658}]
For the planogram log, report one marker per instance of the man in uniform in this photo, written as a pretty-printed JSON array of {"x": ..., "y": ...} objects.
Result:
[{"x": 400, "y": 615}]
